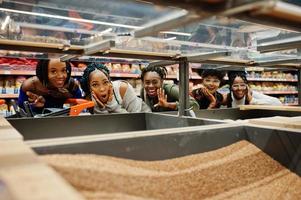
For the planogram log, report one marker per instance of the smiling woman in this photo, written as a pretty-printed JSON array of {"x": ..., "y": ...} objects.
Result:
[
  {"x": 109, "y": 96},
  {"x": 158, "y": 95},
  {"x": 51, "y": 86},
  {"x": 241, "y": 94},
  {"x": 207, "y": 95}
]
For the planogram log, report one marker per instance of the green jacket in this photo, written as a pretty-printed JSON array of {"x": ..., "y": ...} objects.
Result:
[{"x": 172, "y": 92}]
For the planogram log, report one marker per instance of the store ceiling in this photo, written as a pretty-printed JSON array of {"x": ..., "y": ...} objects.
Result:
[{"x": 155, "y": 29}]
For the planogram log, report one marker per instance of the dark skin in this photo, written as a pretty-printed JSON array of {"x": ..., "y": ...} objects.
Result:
[
  {"x": 34, "y": 89},
  {"x": 209, "y": 86},
  {"x": 153, "y": 83},
  {"x": 102, "y": 89}
]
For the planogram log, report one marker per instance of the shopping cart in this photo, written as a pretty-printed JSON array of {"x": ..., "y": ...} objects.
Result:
[{"x": 77, "y": 106}]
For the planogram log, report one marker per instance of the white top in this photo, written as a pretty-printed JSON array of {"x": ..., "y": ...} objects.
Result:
[
  {"x": 257, "y": 99},
  {"x": 129, "y": 103}
]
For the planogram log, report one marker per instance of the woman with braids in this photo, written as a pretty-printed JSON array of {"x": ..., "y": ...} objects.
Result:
[
  {"x": 207, "y": 95},
  {"x": 51, "y": 86},
  {"x": 158, "y": 95},
  {"x": 241, "y": 94},
  {"x": 109, "y": 97}
]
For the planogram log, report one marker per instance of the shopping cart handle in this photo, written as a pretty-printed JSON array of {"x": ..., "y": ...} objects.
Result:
[
  {"x": 82, "y": 104},
  {"x": 2, "y": 101},
  {"x": 76, "y": 101}
]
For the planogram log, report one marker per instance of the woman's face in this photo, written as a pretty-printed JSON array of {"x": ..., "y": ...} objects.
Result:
[
  {"x": 100, "y": 85},
  {"x": 211, "y": 83},
  {"x": 151, "y": 83},
  {"x": 57, "y": 73},
  {"x": 239, "y": 88}
]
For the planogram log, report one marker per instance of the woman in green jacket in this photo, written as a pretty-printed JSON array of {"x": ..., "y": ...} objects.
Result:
[{"x": 158, "y": 95}]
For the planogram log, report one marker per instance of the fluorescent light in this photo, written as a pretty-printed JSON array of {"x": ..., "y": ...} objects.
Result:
[
  {"x": 4, "y": 24},
  {"x": 171, "y": 38},
  {"x": 176, "y": 33},
  {"x": 69, "y": 18},
  {"x": 108, "y": 30}
]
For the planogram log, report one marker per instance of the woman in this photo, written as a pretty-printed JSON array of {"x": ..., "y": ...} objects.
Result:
[
  {"x": 241, "y": 94},
  {"x": 109, "y": 97},
  {"x": 207, "y": 95},
  {"x": 158, "y": 95},
  {"x": 51, "y": 86}
]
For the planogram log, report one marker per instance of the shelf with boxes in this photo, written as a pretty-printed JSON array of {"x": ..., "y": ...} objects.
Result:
[{"x": 281, "y": 84}]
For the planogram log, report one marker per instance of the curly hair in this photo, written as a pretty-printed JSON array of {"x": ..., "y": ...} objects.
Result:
[
  {"x": 42, "y": 71},
  {"x": 84, "y": 81},
  {"x": 161, "y": 71},
  {"x": 211, "y": 72}
]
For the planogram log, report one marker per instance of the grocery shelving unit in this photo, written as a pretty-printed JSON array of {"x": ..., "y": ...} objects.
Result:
[{"x": 139, "y": 30}]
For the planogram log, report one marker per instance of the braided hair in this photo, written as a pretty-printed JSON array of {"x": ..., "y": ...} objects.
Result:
[
  {"x": 84, "y": 81},
  {"x": 232, "y": 76},
  {"x": 42, "y": 71},
  {"x": 161, "y": 71}
]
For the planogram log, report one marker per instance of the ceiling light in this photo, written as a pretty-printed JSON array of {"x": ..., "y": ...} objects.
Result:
[
  {"x": 5, "y": 23},
  {"x": 171, "y": 38},
  {"x": 69, "y": 18},
  {"x": 176, "y": 33}
]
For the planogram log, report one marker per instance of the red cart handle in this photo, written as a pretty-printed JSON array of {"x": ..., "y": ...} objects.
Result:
[
  {"x": 2, "y": 101},
  {"x": 81, "y": 104}
]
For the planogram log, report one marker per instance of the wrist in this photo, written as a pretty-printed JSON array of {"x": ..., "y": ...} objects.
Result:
[{"x": 212, "y": 104}]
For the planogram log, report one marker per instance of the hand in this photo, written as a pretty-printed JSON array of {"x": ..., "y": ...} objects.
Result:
[
  {"x": 36, "y": 100},
  {"x": 249, "y": 94},
  {"x": 162, "y": 99},
  {"x": 111, "y": 93},
  {"x": 101, "y": 105},
  {"x": 208, "y": 95}
]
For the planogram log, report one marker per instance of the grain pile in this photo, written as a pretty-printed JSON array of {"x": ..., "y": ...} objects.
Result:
[{"x": 238, "y": 171}]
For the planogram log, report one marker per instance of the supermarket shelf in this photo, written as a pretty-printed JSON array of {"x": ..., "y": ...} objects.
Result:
[
  {"x": 17, "y": 72},
  {"x": 272, "y": 79},
  {"x": 124, "y": 75},
  {"x": 279, "y": 92},
  {"x": 113, "y": 74},
  {"x": 269, "y": 79},
  {"x": 291, "y": 104},
  {"x": 9, "y": 96},
  {"x": 130, "y": 75}
]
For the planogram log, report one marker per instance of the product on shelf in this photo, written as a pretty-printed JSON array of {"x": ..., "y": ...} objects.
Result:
[
  {"x": 4, "y": 110},
  {"x": 272, "y": 86},
  {"x": 19, "y": 81},
  {"x": 1, "y": 85},
  {"x": 272, "y": 75},
  {"x": 125, "y": 68},
  {"x": 9, "y": 85},
  {"x": 135, "y": 69},
  {"x": 116, "y": 68}
]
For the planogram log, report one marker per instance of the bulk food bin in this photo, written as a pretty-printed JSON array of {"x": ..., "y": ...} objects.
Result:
[
  {"x": 237, "y": 113},
  {"x": 60, "y": 126},
  {"x": 283, "y": 145}
]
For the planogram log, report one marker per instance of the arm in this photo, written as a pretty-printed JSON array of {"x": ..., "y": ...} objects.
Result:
[
  {"x": 130, "y": 101},
  {"x": 174, "y": 94},
  {"x": 37, "y": 101},
  {"x": 262, "y": 99}
]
